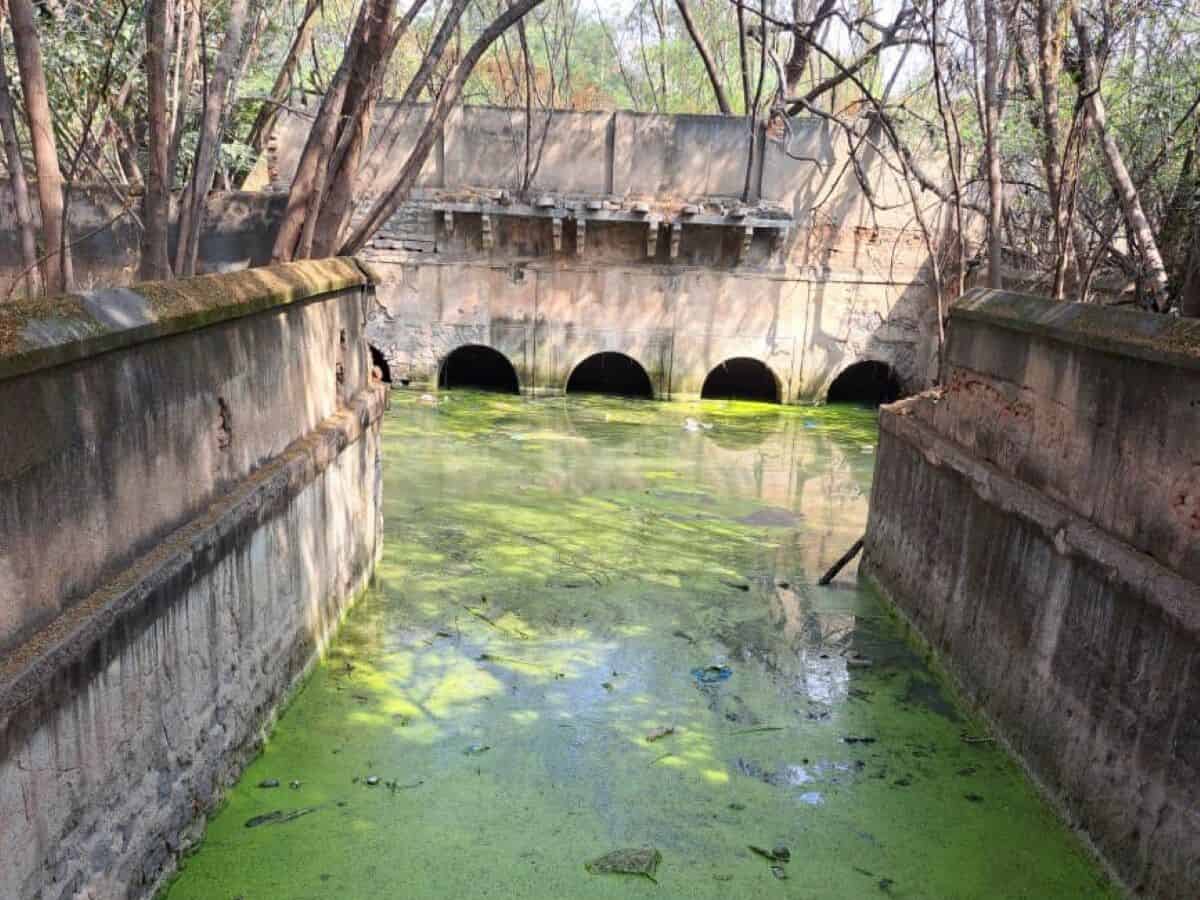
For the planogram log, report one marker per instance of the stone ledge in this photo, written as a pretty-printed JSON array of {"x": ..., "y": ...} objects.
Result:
[
  {"x": 1168, "y": 591},
  {"x": 1156, "y": 338},
  {"x": 43, "y": 332},
  {"x": 40, "y": 662}
]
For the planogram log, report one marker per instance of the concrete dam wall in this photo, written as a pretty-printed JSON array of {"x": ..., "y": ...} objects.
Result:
[
  {"x": 1038, "y": 519},
  {"x": 660, "y": 239},
  {"x": 189, "y": 499}
]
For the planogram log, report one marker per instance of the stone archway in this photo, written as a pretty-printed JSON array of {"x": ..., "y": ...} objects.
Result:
[
  {"x": 610, "y": 373},
  {"x": 869, "y": 382},
  {"x": 741, "y": 378},
  {"x": 478, "y": 366}
]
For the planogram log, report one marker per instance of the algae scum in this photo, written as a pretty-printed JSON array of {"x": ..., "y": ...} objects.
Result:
[{"x": 596, "y": 664}]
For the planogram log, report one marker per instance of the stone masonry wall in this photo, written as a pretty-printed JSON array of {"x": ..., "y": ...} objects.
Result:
[
  {"x": 585, "y": 256},
  {"x": 1036, "y": 520}
]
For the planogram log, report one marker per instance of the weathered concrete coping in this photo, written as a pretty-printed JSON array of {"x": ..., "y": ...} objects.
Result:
[
  {"x": 43, "y": 332},
  {"x": 1125, "y": 332}
]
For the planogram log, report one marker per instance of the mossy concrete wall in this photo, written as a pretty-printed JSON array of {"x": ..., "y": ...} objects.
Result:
[
  {"x": 1038, "y": 519},
  {"x": 189, "y": 498},
  {"x": 833, "y": 283}
]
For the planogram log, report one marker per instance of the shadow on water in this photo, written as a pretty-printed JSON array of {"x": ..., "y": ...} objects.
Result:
[{"x": 597, "y": 627}]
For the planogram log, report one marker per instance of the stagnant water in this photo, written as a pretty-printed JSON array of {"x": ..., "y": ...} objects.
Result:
[{"x": 565, "y": 580}]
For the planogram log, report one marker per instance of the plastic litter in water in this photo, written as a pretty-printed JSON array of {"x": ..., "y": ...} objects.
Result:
[{"x": 712, "y": 674}]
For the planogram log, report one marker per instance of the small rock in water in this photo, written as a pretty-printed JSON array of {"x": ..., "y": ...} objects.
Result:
[
  {"x": 477, "y": 749},
  {"x": 640, "y": 861},
  {"x": 659, "y": 733},
  {"x": 269, "y": 783},
  {"x": 295, "y": 784},
  {"x": 372, "y": 780}
]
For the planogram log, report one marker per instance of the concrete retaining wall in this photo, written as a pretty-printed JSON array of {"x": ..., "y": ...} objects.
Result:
[
  {"x": 239, "y": 230},
  {"x": 189, "y": 498},
  {"x": 1039, "y": 522}
]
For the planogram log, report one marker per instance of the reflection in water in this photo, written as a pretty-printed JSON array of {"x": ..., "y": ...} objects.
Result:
[{"x": 519, "y": 694}]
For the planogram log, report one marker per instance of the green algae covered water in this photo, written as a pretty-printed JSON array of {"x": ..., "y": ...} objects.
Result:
[{"x": 596, "y": 627}]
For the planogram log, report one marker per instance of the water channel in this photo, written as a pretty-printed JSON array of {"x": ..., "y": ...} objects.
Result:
[{"x": 596, "y": 627}]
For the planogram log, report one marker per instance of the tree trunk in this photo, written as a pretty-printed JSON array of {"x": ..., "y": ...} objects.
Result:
[
  {"x": 155, "y": 261},
  {"x": 743, "y": 57},
  {"x": 20, "y": 187},
  {"x": 413, "y": 92},
  {"x": 308, "y": 184},
  {"x": 45, "y": 152},
  {"x": 1050, "y": 17},
  {"x": 387, "y": 205},
  {"x": 706, "y": 57},
  {"x": 335, "y": 202},
  {"x": 191, "y": 213},
  {"x": 1131, "y": 204},
  {"x": 260, "y": 131},
  {"x": 183, "y": 89},
  {"x": 797, "y": 60},
  {"x": 991, "y": 70}
]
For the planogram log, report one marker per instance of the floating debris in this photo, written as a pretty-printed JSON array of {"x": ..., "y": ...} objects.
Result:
[
  {"x": 394, "y": 786},
  {"x": 659, "y": 733},
  {"x": 641, "y": 861},
  {"x": 760, "y": 729},
  {"x": 736, "y": 585},
  {"x": 778, "y": 872},
  {"x": 607, "y": 685},
  {"x": 779, "y": 854},
  {"x": 712, "y": 674},
  {"x": 295, "y": 784},
  {"x": 684, "y": 635},
  {"x": 477, "y": 749},
  {"x": 279, "y": 816},
  {"x": 851, "y": 739},
  {"x": 973, "y": 739},
  {"x": 269, "y": 783},
  {"x": 658, "y": 759},
  {"x": 690, "y": 424},
  {"x": 974, "y": 798},
  {"x": 372, "y": 780}
]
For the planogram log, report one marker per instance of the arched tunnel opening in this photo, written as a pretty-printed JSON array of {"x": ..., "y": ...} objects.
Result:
[
  {"x": 379, "y": 362},
  {"x": 869, "y": 383},
  {"x": 741, "y": 378},
  {"x": 477, "y": 366},
  {"x": 610, "y": 373}
]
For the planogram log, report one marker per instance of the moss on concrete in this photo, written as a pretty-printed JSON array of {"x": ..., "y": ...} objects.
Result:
[
  {"x": 1118, "y": 330},
  {"x": 174, "y": 307}
]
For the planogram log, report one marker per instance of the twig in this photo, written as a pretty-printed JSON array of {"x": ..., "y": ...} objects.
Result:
[{"x": 841, "y": 563}]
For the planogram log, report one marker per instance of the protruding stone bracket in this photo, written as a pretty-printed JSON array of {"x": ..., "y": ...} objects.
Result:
[
  {"x": 489, "y": 237},
  {"x": 449, "y": 218},
  {"x": 556, "y": 224},
  {"x": 747, "y": 237},
  {"x": 652, "y": 238},
  {"x": 580, "y": 235},
  {"x": 676, "y": 238}
]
